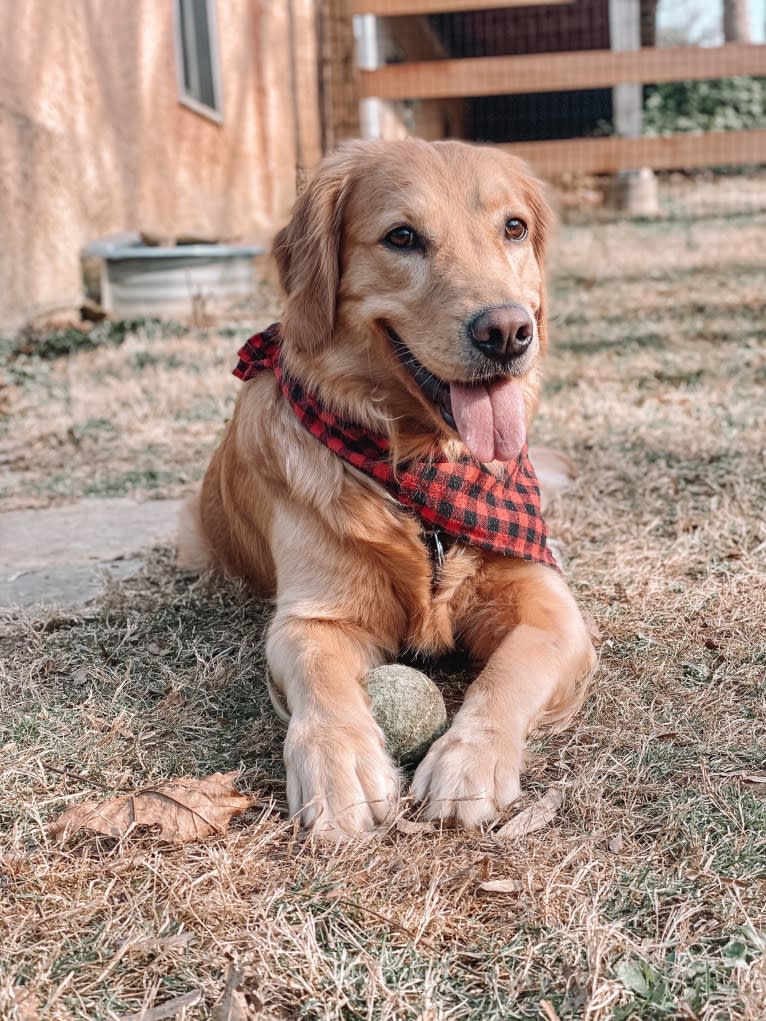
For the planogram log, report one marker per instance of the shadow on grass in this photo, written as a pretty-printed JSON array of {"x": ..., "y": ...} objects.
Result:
[{"x": 164, "y": 675}]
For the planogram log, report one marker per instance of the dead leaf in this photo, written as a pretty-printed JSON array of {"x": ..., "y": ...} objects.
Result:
[
  {"x": 501, "y": 886},
  {"x": 536, "y": 817},
  {"x": 115, "y": 727},
  {"x": 25, "y": 1002},
  {"x": 81, "y": 676},
  {"x": 232, "y": 1006},
  {"x": 745, "y": 775},
  {"x": 180, "y": 810},
  {"x": 594, "y": 630},
  {"x": 168, "y": 1009},
  {"x": 758, "y": 777},
  {"x": 234, "y": 1009},
  {"x": 158, "y": 944},
  {"x": 411, "y": 827},
  {"x": 457, "y": 876},
  {"x": 548, "y": 1011},
  {"x": 616, "y": 843}
]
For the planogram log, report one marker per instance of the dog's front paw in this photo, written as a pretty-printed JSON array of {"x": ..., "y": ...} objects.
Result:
[
  {"x": 470, "y": 774},
  {"x": 340, "y": 780}
]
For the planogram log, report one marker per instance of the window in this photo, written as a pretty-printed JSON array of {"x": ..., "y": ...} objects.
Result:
[{"x": 198, "y": 77}]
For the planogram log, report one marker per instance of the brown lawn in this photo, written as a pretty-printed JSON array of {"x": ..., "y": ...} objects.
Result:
[{"x": 644, "y": 898}]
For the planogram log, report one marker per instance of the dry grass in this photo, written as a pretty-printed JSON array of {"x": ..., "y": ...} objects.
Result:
[{"x": 643, "y": 899}]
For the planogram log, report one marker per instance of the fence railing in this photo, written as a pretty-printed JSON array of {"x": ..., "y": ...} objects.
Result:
[
  {"x": 558, "y": 72},
  {"x": 663, "y": 152},
  {"x": 395, "y": 7},
  {"x": 474, "y": 77}
]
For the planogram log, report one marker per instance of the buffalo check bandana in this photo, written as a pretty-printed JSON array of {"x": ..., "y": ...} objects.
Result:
[{"x": 461, "y": 498}]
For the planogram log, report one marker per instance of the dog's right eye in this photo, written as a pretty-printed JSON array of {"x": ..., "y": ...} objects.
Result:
[{"x": 402, "y": 237}]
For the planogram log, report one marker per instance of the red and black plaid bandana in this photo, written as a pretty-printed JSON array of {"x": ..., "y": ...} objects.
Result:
[{"x": 461, "y": 498}]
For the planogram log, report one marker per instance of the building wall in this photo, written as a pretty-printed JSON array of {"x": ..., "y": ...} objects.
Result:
[{"x": 94, "y": 140}]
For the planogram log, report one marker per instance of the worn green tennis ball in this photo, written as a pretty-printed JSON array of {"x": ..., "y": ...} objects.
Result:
[{"x": 408, "y": 708}]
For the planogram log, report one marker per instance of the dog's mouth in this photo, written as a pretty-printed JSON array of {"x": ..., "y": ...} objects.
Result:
[
  {"x": 489, "y": 415},
  {"x": 436, "y": 390}
]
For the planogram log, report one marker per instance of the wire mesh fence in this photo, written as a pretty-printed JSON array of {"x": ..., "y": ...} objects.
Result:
[{"x": 655, "y": 106}]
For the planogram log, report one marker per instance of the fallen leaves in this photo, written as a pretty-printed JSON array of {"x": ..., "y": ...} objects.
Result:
[
  {"x": 232, "y": 1006},
  {"x": 594, "y": 630},
  {"x": 752, "y": 777},
  {"x": 501, "y": 886},
  {"x": 530, "y": 819},
  {"x": 411, "y": 827},
  {"x": 536, "y": 817},
  {"x": 178, "y": 811},
  {"x": 25, "y": 1004},
  {"x": 616, "y": 843},
  {"x": 168, "y": 1009}
]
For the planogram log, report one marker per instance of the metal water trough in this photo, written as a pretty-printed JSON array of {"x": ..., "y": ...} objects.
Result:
[{"x": 139, "y": 280}]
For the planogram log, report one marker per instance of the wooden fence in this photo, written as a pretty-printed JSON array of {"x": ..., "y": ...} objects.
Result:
[{"x": 584, "y": 69}]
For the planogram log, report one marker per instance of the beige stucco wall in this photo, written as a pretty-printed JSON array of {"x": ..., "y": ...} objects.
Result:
[{"x": 94, "y": 140}]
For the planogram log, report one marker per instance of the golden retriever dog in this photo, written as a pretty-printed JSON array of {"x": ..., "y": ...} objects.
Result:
[{"x": 415, "y": 310}]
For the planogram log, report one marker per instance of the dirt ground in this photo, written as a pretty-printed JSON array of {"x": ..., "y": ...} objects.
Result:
[{"x": 643, "y": 898}]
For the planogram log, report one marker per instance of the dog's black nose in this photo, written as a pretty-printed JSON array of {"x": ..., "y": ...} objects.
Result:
[{"x": 502, "y": 333}]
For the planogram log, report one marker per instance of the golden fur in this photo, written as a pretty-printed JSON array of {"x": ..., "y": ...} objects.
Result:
[{"x": 351, "y": 575}]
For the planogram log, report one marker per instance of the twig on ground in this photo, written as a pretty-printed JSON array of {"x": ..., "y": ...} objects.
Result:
[{"x": 170, "y": 1008}]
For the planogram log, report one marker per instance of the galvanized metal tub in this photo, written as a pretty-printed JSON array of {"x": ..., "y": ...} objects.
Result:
[{"x": 140, "y": 280}]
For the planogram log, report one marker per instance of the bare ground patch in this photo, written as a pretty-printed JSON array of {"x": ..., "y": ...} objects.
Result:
[{"x": 643, "y": 898}]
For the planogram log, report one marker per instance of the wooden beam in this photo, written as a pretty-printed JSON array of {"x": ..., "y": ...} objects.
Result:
[
  {"x": 560, "y": 72},
  {"x": 391, "y": 7},
  {"x": 670, "y": 152},
  {"x": 628, "y": 97}
]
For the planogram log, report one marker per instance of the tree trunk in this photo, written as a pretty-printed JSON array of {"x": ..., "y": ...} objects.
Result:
[{"x": 736, "y": 26}]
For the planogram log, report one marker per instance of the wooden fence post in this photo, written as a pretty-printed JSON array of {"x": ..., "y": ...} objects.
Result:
[
  {"x": 368, "y": 50},
  {"x": 635, "y": 191},
  {"x": 338, "y": 74}
]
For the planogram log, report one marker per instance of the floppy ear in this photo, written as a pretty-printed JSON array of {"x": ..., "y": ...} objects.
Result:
[
  {"x": 543, "y": 225},
  {"x": 543, "y": 218},
  {"x": 308, "y": 254}
]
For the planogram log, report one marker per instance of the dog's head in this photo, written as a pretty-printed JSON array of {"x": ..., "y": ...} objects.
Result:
[{"x": 414, "y": 275}]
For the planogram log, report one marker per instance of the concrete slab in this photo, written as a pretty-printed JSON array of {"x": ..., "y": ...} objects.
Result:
[{"x": 61, "y": 556}]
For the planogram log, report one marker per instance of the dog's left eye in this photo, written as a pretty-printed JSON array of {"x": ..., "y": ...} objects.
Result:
[
  {"x": 402, "y": 237},
  {"x": 515, "y": 230}
]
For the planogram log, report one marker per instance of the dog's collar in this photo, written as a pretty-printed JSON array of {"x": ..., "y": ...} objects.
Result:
[{"x": 461, "y": 499}]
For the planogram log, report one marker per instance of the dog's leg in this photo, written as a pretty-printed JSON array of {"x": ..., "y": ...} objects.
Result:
[
  {"x": 193, "y": 551},
  {"x": 330, "y": 628},
  {"x": 339, "y": 778},
  {"x": 538, "y": 659}
]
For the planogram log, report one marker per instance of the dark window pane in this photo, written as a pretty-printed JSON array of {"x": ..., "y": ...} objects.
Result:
[
  {"x": 187, "y": 30},
  {"x": 206, "y": 91},
  {"x": 196, "y": 53}
]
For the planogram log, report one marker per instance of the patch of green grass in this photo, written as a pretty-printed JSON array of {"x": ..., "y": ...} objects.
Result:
[
  {"x": 47, "y": 344},
  {"x": 141, "y": 360},
  {"x": 131, "y": 482},
  {"x": 213, "y": 411}
]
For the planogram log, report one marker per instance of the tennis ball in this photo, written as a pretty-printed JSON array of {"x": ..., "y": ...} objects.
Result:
[{"x": 408, "y": 708}]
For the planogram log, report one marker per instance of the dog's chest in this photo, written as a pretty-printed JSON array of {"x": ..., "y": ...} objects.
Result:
[{"x": 434, "y": 616}]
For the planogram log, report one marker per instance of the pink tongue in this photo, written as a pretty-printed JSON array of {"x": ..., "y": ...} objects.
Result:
[{"x": 490, "y": 419}]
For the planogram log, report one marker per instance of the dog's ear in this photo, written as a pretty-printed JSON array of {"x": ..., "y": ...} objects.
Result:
[
  {"x": 308, "y": 253},
  {"x": 542, "y": 227}
]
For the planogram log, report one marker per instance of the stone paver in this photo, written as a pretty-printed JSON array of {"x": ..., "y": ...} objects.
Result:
[{"x": 61, "y": 556}]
